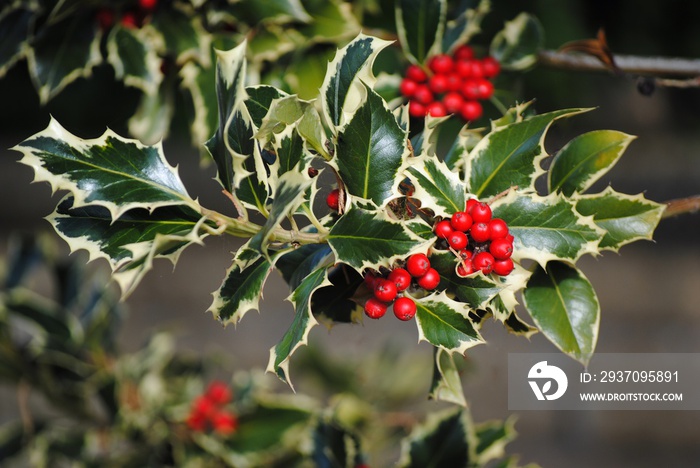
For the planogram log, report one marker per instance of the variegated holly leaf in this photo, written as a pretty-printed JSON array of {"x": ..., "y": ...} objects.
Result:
[
  {"x": 547, "y": 228},
  {"x": 510, "y": 156},
  {"x": 198, "y": 81},
  {"x": 347, "y": 78},
  {"x": 62, "y": 52},
  {"x": 287, "y": 197},
  {"x": 565, "y": 308},
  {"x": 242, "y": 288},
  {"x": 457, "y": 154},
  {"x": 369, "y": 239},
  {"x": 515, "y": 325},
  {"x": 282, "y": 112},
  {"x": 446, "y": 438},
  {"x": 475, "y": 291},
  {"x": 586, "y": 158},
  {"x": 259, "y": 101},
  {"x": 445, "y": 323},
  {"x": 151, "y": 122},
  {"x": 336, "y": 303},
  {"x": 311, "y": 128},
  {"x": 233, "y": 141},
  {"x": 446, "y": 384},
  {"x": 493, "y": 436},
  {"x": 298, "y": 332},
  {"x": 625, "y": 218},
  {"x": 278, "y": 11},
  {"x": 436, "y": 186},
  {"x": 517, "y": 44},
  {"x": 291, "y": 156},
  {"x": 183, "y": 34},
  {"x": 503, "y": 306},
  {"x": 117, "y": 173},
  {"x": 130, "y": 242},
  {"x": 299, "y": 263},
  {"x": 133, "y": 53},
  {"x": 466, "y": 25},
  {"x": 15, "y": 24},
  {"x": 370, "y": 151},
  {"x": 420, "y": 24}
]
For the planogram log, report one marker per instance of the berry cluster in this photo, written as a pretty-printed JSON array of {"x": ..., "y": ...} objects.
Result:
[
  {"x": 480, "y": 241},
  {"x": 208, "y": 411},
  {"x": 389, "y": 289},
  {"x": 452, "y": 84},
  {"x": 131, "y": 18}
]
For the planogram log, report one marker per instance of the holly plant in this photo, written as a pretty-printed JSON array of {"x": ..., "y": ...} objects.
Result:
[{"x": 278, "y": 155}]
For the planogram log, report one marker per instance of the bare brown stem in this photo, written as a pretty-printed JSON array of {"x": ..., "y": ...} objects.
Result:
[{"x": 682, "y": 206}]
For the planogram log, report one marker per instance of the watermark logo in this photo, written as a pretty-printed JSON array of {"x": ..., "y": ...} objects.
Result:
[{"x": 541, "y": 372}]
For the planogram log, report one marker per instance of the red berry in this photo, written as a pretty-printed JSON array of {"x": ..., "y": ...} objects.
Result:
[
  {"x": 457, "y": 240},
  {"x": 370, "y": 280},
  {"x": 333, "y": 199},
  {"x": 443, "y": 229},
  {"x": 148, "y": 4},
  {"x": 438, "y": 84},
  {"x": 224, "y": 423},
  {"x": 470, "y": 89},
  {"x": 483, "y": 261},
  {"x": 453, "y": 102},
  {"x": 463, "y": 52},
  {"x": 416, "y": 73},
  {"x": 510, "y": 238},
  {"x": 499, "y": 228},
  {"x": 461, "y": 221},
  {"x": 430, "y": 280},
  {"x": 129, "y": 20},
  {"x": 477, "y": 69},
  {"x": 465, "y": 268},
  {"x": 480, "y": 232},
  {"x": 501, "y": 249},
  {"x": 471, "y": 110},
  {"x": 374, "y": 308},
  {"x": 470, "y": 204},
  {"x": 408, "y": 87},
  {"x": 105, "y": 18},
  {"x": 465, "y": 254},
  {"x": 416, "y": 109},
  {"x": 218, "y": 393},
  {"x": 437, "y": 109},
  {"x": 401, "y": 278},
  {"x": 417, "y": 265},
  {"x": 441, "y": 64},
  {"x": 204, "y": 406},
  {"x": 454, "y": 82},
  {"x": 481, "y": 213},
  {"x": 196, "y": 421},
  {"x": 404, "y": 308},
  {"x": 491, "y": 67},
  {"x": 385, "y": 290},
  {"x": 484, "y": 88},
  {"x": 464, "y": 68},
  {"x": 503, "y": 267},
  {"x": 423, "y": 95}
]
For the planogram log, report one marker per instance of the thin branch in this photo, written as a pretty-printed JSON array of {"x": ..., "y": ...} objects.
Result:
[
  {"x": 682, "y": 206},
  {"x": 655, "y": 66}
]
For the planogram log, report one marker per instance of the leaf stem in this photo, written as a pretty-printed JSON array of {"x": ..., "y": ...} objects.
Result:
[{"x": 680, "y": 206}]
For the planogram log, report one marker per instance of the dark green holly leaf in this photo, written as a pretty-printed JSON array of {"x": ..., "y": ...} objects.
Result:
[
  {"x": 369, "y": 239},
  {"x": 184, "y": 36},
  {"x": 334, "y": 446},
  {"x": 334, "y": 304},
  {"x": 132, "y": 241},
  {"x": 565, "y": 308},
  {"x": 475, "y": 290},
  {"x": 467, "y": 24},
  {"x": 15, "y": 23},
  {"x": 298, "y": 332},
  {"x": 517, "y": 326},
  {"x": 297, "y": 264},
  {"x": 445, "y": 439},
  {"x": 331, "y": 21},
  {"x": 547, "y": 228},
  {"x": 420, "y": 24},
  {"x": 436, "y": 186},
  {"x": 447, "y": 383},
  {"x": 625, "y": 218},
  {"x": 347, "y": 78},
  {"x": 583, "y": 160},
  {"x": 63, "y": 52},
  {"x": 117, "y": 173},
  {"x": 242, "y": 288},
  {"x": 445, "y": 323},
  {"x": 370, "y": 151},
  {"x": 517, "y": 45},
  {"x": 277, "y": 11},
  {"x": 510, "y": 156},
  {"x": 493, "y": 436},
  {"x": 134, "y": 59}
]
